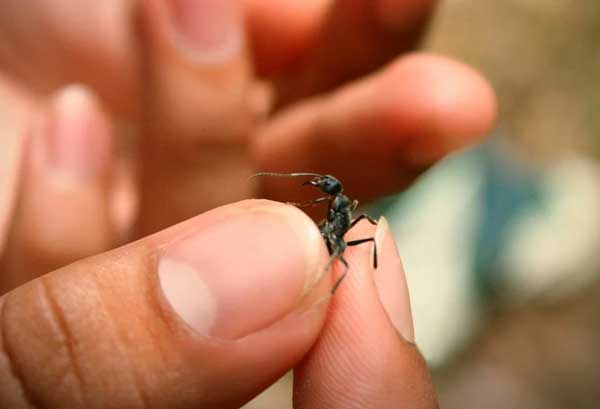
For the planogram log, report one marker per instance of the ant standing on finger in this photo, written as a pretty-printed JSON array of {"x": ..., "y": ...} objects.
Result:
[{"x": 338, "y": 219}]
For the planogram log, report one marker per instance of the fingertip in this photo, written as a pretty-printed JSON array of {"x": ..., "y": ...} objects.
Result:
[
  {"x": 440, "y": 103},
  {"x": 81, "y": 137},
  {"x": 365, "y": 352},
  {"x": 460, "y": 96}
]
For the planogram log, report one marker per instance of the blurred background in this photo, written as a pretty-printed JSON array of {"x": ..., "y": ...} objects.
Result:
[{"x": 501, "y": 243}]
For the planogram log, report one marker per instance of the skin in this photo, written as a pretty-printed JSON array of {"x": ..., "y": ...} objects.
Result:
[{"x": 279, "y": 102}]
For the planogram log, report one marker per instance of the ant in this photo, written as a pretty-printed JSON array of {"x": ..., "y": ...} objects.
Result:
[{"x": 338, "y": 219}]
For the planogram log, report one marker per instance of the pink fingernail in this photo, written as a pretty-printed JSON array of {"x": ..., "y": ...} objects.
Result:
[
  {"x": 212, "y": 28},
  {"x": 390, "y": 281},
  {"x": 239, "y": 274},
  {"x": 77, "y": 138}
]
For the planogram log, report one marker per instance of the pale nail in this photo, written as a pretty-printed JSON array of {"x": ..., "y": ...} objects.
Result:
[
  {"x": 210, "y": 28},
  {"x": 77, "y": 139},
  {"x": 240, "y": 274},
  {"x": 390, "y": 281}
]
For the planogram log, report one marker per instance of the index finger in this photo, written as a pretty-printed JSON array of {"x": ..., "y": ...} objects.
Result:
[{"x": 366, "y": 356}]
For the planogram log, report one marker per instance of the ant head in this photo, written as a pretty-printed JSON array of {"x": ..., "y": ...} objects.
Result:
[{"x": 326, "y": 183}]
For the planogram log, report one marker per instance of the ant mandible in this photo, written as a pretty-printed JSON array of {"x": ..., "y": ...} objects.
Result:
[{"x": 338, "y": 219}]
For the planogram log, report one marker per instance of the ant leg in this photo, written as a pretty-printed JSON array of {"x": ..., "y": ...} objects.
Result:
[
  {"x": 334, "y": 253},
  {"x": 363, "y": 216},
  {"x": 313, "y": 202},
  {"x": 342, "y": 276},
  {"x": 361, "y": 241}
]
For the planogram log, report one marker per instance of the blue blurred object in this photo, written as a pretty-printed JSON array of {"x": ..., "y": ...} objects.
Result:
[{"x": 508, "y": 188}]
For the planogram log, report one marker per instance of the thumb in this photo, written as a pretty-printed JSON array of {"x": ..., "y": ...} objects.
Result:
[{"x": 207, "y": 314}]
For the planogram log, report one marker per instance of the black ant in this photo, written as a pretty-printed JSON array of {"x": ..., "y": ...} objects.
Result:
[{"x": 338, "y": 220}]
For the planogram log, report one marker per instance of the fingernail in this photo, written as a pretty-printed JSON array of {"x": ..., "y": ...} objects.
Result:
[
  {"x": 212, "y": 28},
  {"x": 77, "y": 139},
  {"x": 241, "y": 273},
  {"x": 391, "y": 282}
]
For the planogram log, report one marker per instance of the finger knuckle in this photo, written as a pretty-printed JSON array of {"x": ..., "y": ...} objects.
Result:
[{"x": 38, "y": 350}]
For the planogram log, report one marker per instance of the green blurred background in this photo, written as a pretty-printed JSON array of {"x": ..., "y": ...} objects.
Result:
[{"x": 501, "y": 243}]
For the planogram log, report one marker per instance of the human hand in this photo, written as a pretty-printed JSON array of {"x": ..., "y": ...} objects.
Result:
[
  {"x": 210, "y": 312},
  {"x": 193, "y": 89}
]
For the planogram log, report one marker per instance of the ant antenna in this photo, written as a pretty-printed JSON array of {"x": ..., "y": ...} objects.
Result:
[{"x": 287, "y": 175}]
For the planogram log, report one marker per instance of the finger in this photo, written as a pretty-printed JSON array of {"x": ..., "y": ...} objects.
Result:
[
  {"x": 204, "y": 314},
  {"x": 200, "y": 109},
  {"x": 394, "y": 124},
  {"x": 88, "y": 42},
  {"x": 365, "y": 356},
  {"x": 62, "y": 213},
  {"x": 355, "y": 38},
  {"x": 16, "y": 106},
  {"x": 282, "y": 31}
]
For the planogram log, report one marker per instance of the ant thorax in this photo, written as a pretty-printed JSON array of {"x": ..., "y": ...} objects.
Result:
[
  {"x": 341, "y": 203},
  {"x": 340, "y": 215}
]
